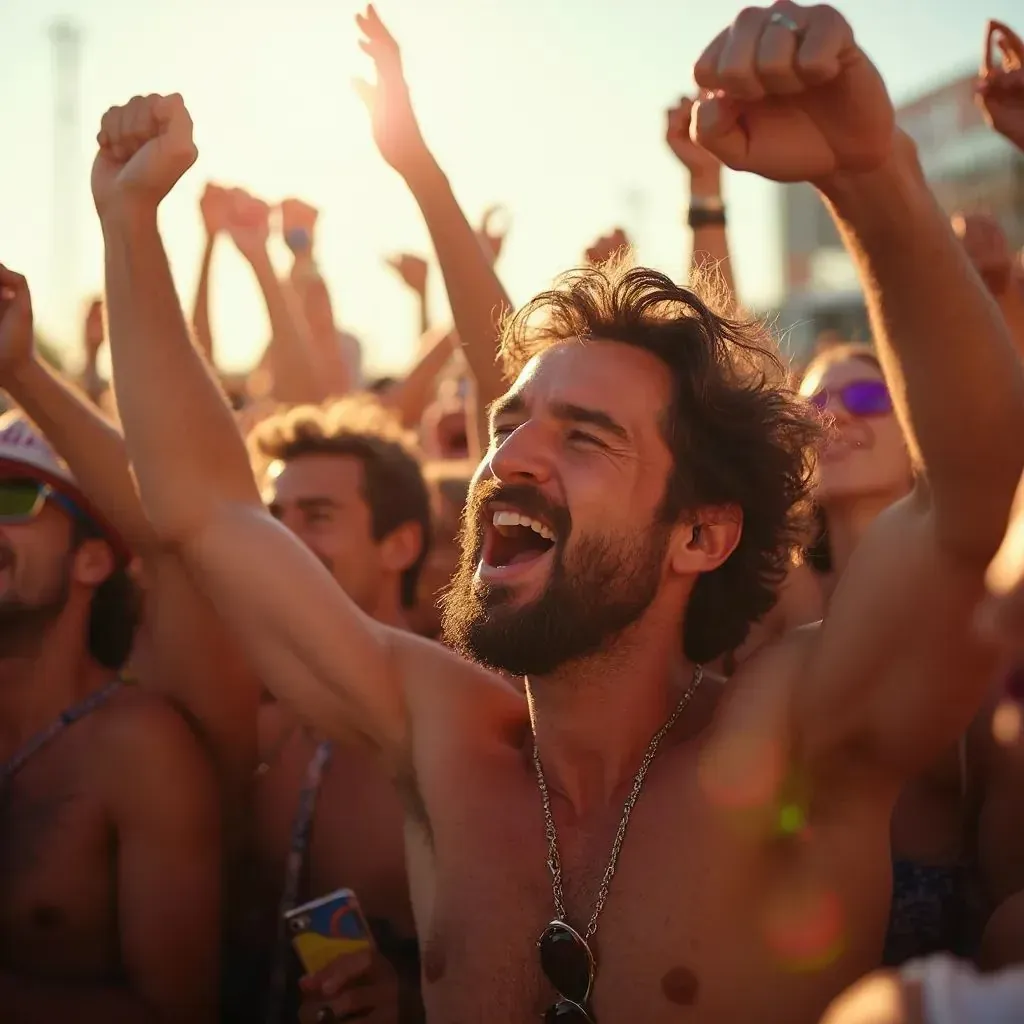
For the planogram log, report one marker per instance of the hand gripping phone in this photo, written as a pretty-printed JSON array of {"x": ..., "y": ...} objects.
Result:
[{"x": 327, "y": 928}]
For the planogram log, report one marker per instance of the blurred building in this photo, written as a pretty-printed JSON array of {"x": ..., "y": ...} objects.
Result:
[{"x": 970, "y": 168}]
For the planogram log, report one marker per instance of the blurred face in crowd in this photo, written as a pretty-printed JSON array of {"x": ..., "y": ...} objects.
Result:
[
  {"x": 40, "y": 569},
  {"x": 866, "y": 455},
  {"x": 320, "y": 498},
  {"x": 443, "y": 558},
  {"x": 562, "y": 547}
]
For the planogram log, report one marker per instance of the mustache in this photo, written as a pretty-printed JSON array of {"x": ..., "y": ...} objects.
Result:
[{"x": 529, "y": 500}]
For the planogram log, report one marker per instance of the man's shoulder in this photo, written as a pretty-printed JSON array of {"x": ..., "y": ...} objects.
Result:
[{"x": 146, "y": 746}]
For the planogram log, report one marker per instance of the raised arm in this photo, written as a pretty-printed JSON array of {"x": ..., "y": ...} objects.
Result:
[
  {"x": 988, "y": 249},
  {"x": 706, "y": 217},
  {"x": 895, "y": 672},
  {"x": 307, "y": 641},
  {"x": 181, "y": 649},
  {"x": 477, "y": 298},
  {"x": 214, "y": 207},
  {"x": 298, "y": 226},
  {"x": 291, "y": 356}
]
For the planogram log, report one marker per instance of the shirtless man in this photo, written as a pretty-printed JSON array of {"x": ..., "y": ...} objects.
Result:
[
  {"x": 753, "y": 881},
  {"x": 109, "y": 830},
  {"x": 344, "y": 481}
]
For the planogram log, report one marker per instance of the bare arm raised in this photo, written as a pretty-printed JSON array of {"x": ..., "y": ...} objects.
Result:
[
  {"x": 895, "y": 672},
  {"x": 477, "y": 297},
  {"x": 306, "y": 639}
]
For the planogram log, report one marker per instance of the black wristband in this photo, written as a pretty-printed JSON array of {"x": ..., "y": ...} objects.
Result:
[{"x": 699, "y": 218}]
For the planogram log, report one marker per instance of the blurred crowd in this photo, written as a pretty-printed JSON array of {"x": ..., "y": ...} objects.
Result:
[{"x": 604, "y": 666}]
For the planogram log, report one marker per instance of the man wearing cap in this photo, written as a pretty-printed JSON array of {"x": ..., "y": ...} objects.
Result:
[{"x": 109, "y": 830}]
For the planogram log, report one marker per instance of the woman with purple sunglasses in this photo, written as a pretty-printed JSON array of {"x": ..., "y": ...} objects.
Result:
[{"x": 945, "y": 849}]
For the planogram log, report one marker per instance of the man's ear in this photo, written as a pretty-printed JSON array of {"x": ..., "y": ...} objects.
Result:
[
  {"x": 93, "y": 562},
  {"x": 402, "y": 546},
  {"x": 705, "y": 541}
]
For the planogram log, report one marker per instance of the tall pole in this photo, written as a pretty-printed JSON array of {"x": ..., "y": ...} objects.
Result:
[{"x": 65, "y": 41}]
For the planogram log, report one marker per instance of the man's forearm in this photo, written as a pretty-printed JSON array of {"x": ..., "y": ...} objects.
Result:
[
  {"x": 43, "y": 1002},
  {"x": 292, "y": 357},
  {"x": 955, "y": 377},
  {"x": 180, "y": 433},
  {"x": 710, "y": 243},
  {"x": 475, "y": 293},
  {"x": 91, "y": 446},
  {"x": 201, "y": 312}
]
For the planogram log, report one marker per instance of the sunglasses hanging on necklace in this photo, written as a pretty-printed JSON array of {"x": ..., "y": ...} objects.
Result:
[{"x": 565, "y": 955}]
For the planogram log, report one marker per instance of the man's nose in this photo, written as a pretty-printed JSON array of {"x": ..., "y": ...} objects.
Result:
[{"x": 525, "y": 455}]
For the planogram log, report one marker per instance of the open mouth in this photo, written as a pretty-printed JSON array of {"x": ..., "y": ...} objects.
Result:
[{"x": 513, "y": 538}]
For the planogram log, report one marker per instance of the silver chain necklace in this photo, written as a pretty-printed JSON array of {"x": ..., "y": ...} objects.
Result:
[{"x": 551, "y": 831}]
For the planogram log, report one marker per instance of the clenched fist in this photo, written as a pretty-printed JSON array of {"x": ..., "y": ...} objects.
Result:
[
  {"x": 145, "y": 147},
  {"x": 698, "y": 161},
  {"x": 792, "y": 97},
  {"x": 16, "y": 335},
  {"x": 607, "y": 247}
]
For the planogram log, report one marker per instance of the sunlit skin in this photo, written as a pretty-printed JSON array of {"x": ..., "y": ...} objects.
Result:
[
  {"x": 357, "y": 833},
  {"x": 866, "y": 459},
  {"x": 603, "y": 459},
  {"x": 320, "y": 499}
]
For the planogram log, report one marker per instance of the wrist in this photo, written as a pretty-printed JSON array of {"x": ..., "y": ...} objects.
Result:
[
  {"x": 126, "y": 213},
  {"x": 706, "y": 184},
  {"x": 20, "y": 377},
  {"x": 899, "y": 174},
  {"x": 424, "y": 176}
]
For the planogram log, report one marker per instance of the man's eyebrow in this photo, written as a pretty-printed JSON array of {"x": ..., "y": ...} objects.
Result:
[
  {"x": 572, "y": 413},
  {"x": 506, "y": 404}
]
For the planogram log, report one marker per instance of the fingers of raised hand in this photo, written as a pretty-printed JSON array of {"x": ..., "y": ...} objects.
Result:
[
  {"x": 678, "y": 127},
  {"x": 776, "y": 51}
]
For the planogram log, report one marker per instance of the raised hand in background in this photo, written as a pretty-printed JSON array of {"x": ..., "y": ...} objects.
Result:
[
  {"x": 248, "y": 223},
  {"x": 493, "y": 231},
  {"x": 94, "y": 335},
  {"x": 413, "y": 270},
  {"x": 607, "y": 246},
  {"x": 707, "y": 211},
  {"x": 985, "y": 243},
  {"x": 395, "y": 128},
  {"x": 1000, "y": 86},
  {"x": 298, "y": 225},
  {"x": 215, "y": 207},
  {"x": 476, "y": 296},
  {"x": 705, "y": 168},
  {"x": 16, "y": 344}
]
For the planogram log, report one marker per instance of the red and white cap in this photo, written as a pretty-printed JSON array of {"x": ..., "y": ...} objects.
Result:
[{"x": 25, "y": 452}]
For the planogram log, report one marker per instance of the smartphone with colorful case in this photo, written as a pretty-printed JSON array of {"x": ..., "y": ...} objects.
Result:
[{"x": 326, "y": 928}]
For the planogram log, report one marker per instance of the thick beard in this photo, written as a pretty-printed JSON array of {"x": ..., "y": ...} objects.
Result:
[{"x": 585, "y": 606}]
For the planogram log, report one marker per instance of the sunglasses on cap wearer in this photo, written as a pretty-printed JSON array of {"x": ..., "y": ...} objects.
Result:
[
  {"x": 862, "y": 398},
  {"x": 22, "y": 500}
]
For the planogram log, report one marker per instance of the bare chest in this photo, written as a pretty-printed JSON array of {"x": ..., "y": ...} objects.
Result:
[
  {"x": 57, "y": 869},
  {"x": 356, "y": 837},
  {"x": 700, "y": 923}
]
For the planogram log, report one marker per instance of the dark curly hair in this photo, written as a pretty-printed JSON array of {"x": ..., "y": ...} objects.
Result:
[{"x": 738, "y": 434}]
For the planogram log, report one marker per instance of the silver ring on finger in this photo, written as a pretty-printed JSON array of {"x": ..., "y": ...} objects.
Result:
[{"x": 784, "y": 21}]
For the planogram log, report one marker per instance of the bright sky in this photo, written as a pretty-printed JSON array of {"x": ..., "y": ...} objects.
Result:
[{"x": 554, "y": 109}]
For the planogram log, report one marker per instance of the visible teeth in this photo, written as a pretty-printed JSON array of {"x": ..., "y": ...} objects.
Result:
[{"x": 515, "y": 519}]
